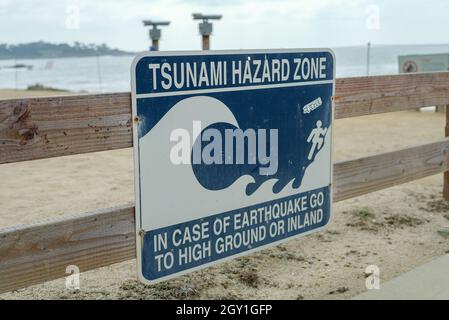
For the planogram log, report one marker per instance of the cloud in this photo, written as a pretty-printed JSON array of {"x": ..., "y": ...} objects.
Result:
[{"x": 246, "y": 23}]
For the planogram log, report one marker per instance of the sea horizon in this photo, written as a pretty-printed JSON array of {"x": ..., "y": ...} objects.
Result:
[{"x": 110, "y": 73}]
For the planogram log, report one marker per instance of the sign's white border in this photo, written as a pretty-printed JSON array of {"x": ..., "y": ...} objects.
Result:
[{"x": 134, "y": 96}]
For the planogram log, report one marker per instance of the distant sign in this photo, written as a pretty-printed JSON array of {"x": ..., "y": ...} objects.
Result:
[
  {"x": 232, "y": 153},
  {"x": 424, "y": 63}
]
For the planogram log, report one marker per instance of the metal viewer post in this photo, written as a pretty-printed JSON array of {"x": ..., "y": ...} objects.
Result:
[
  {"x": 155, "y": 32},
  {"x": 205, "y": 27}
]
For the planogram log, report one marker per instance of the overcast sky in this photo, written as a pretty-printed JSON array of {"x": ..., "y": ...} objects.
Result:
[{"x": 246, "y": 23}]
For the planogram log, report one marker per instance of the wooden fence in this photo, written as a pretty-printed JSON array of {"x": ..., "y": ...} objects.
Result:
[{"x": 58, "y": 126}]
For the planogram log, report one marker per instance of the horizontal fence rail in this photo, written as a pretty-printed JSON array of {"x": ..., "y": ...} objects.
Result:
[
  {"x": 41, "y": 252},
  {"x": 39, "y": 128},
  {"x": 364, "y": 175}
]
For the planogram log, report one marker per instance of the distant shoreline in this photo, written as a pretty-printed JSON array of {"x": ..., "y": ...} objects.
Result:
[
  {"x": 68, "y": 57},
  {"x": 46, "y": 50}
]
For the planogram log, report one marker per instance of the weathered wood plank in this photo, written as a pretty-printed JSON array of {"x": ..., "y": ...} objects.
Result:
[
  {"x": 49, "y": 127},
  {"x": 41, "y": 252},
  {"x": 372, "y": 95},
  {"x": 360, "y": 176}
]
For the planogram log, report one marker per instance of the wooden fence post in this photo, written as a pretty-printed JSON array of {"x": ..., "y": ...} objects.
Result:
[{"x": 446, "y": 174}]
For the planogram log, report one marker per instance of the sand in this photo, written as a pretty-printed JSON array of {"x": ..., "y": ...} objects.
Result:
[
  {"x": 15, "y": 94},
  {"x": 395, "y": 229}
]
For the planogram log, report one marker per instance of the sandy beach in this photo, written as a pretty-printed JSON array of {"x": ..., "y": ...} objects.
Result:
[{"x": 395, "y": 229}]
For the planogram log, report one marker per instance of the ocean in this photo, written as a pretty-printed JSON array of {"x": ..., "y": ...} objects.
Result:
[{"x": 112, "y": 73}]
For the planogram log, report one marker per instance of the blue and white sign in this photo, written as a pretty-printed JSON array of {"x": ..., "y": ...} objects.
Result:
[{"x": 232, "y": 153}]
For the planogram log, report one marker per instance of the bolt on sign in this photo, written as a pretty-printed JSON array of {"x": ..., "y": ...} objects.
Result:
[{"x": 232, "y": 153}]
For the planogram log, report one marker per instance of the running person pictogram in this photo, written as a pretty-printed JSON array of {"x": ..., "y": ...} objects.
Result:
[{"x": 316, "y": 137}]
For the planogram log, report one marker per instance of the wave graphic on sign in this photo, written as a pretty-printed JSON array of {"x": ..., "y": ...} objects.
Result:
[{"x": 178, "y": 183}]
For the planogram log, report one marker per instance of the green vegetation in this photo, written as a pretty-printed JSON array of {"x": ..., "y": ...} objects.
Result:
[
  {"x": 40, "y": 87},
  {"x": 365, "y": 213},
  {"x": 51, "y": 50},
  {"x": 444, "y": 233}
]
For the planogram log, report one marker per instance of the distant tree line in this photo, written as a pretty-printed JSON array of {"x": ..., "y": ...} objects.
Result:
[{"x": 51, "y": 50}]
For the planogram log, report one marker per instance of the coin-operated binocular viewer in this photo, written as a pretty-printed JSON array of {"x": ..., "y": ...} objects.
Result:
[
  {"x": 155, "y": 32},
  {"x": 205, "y": 27}
]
